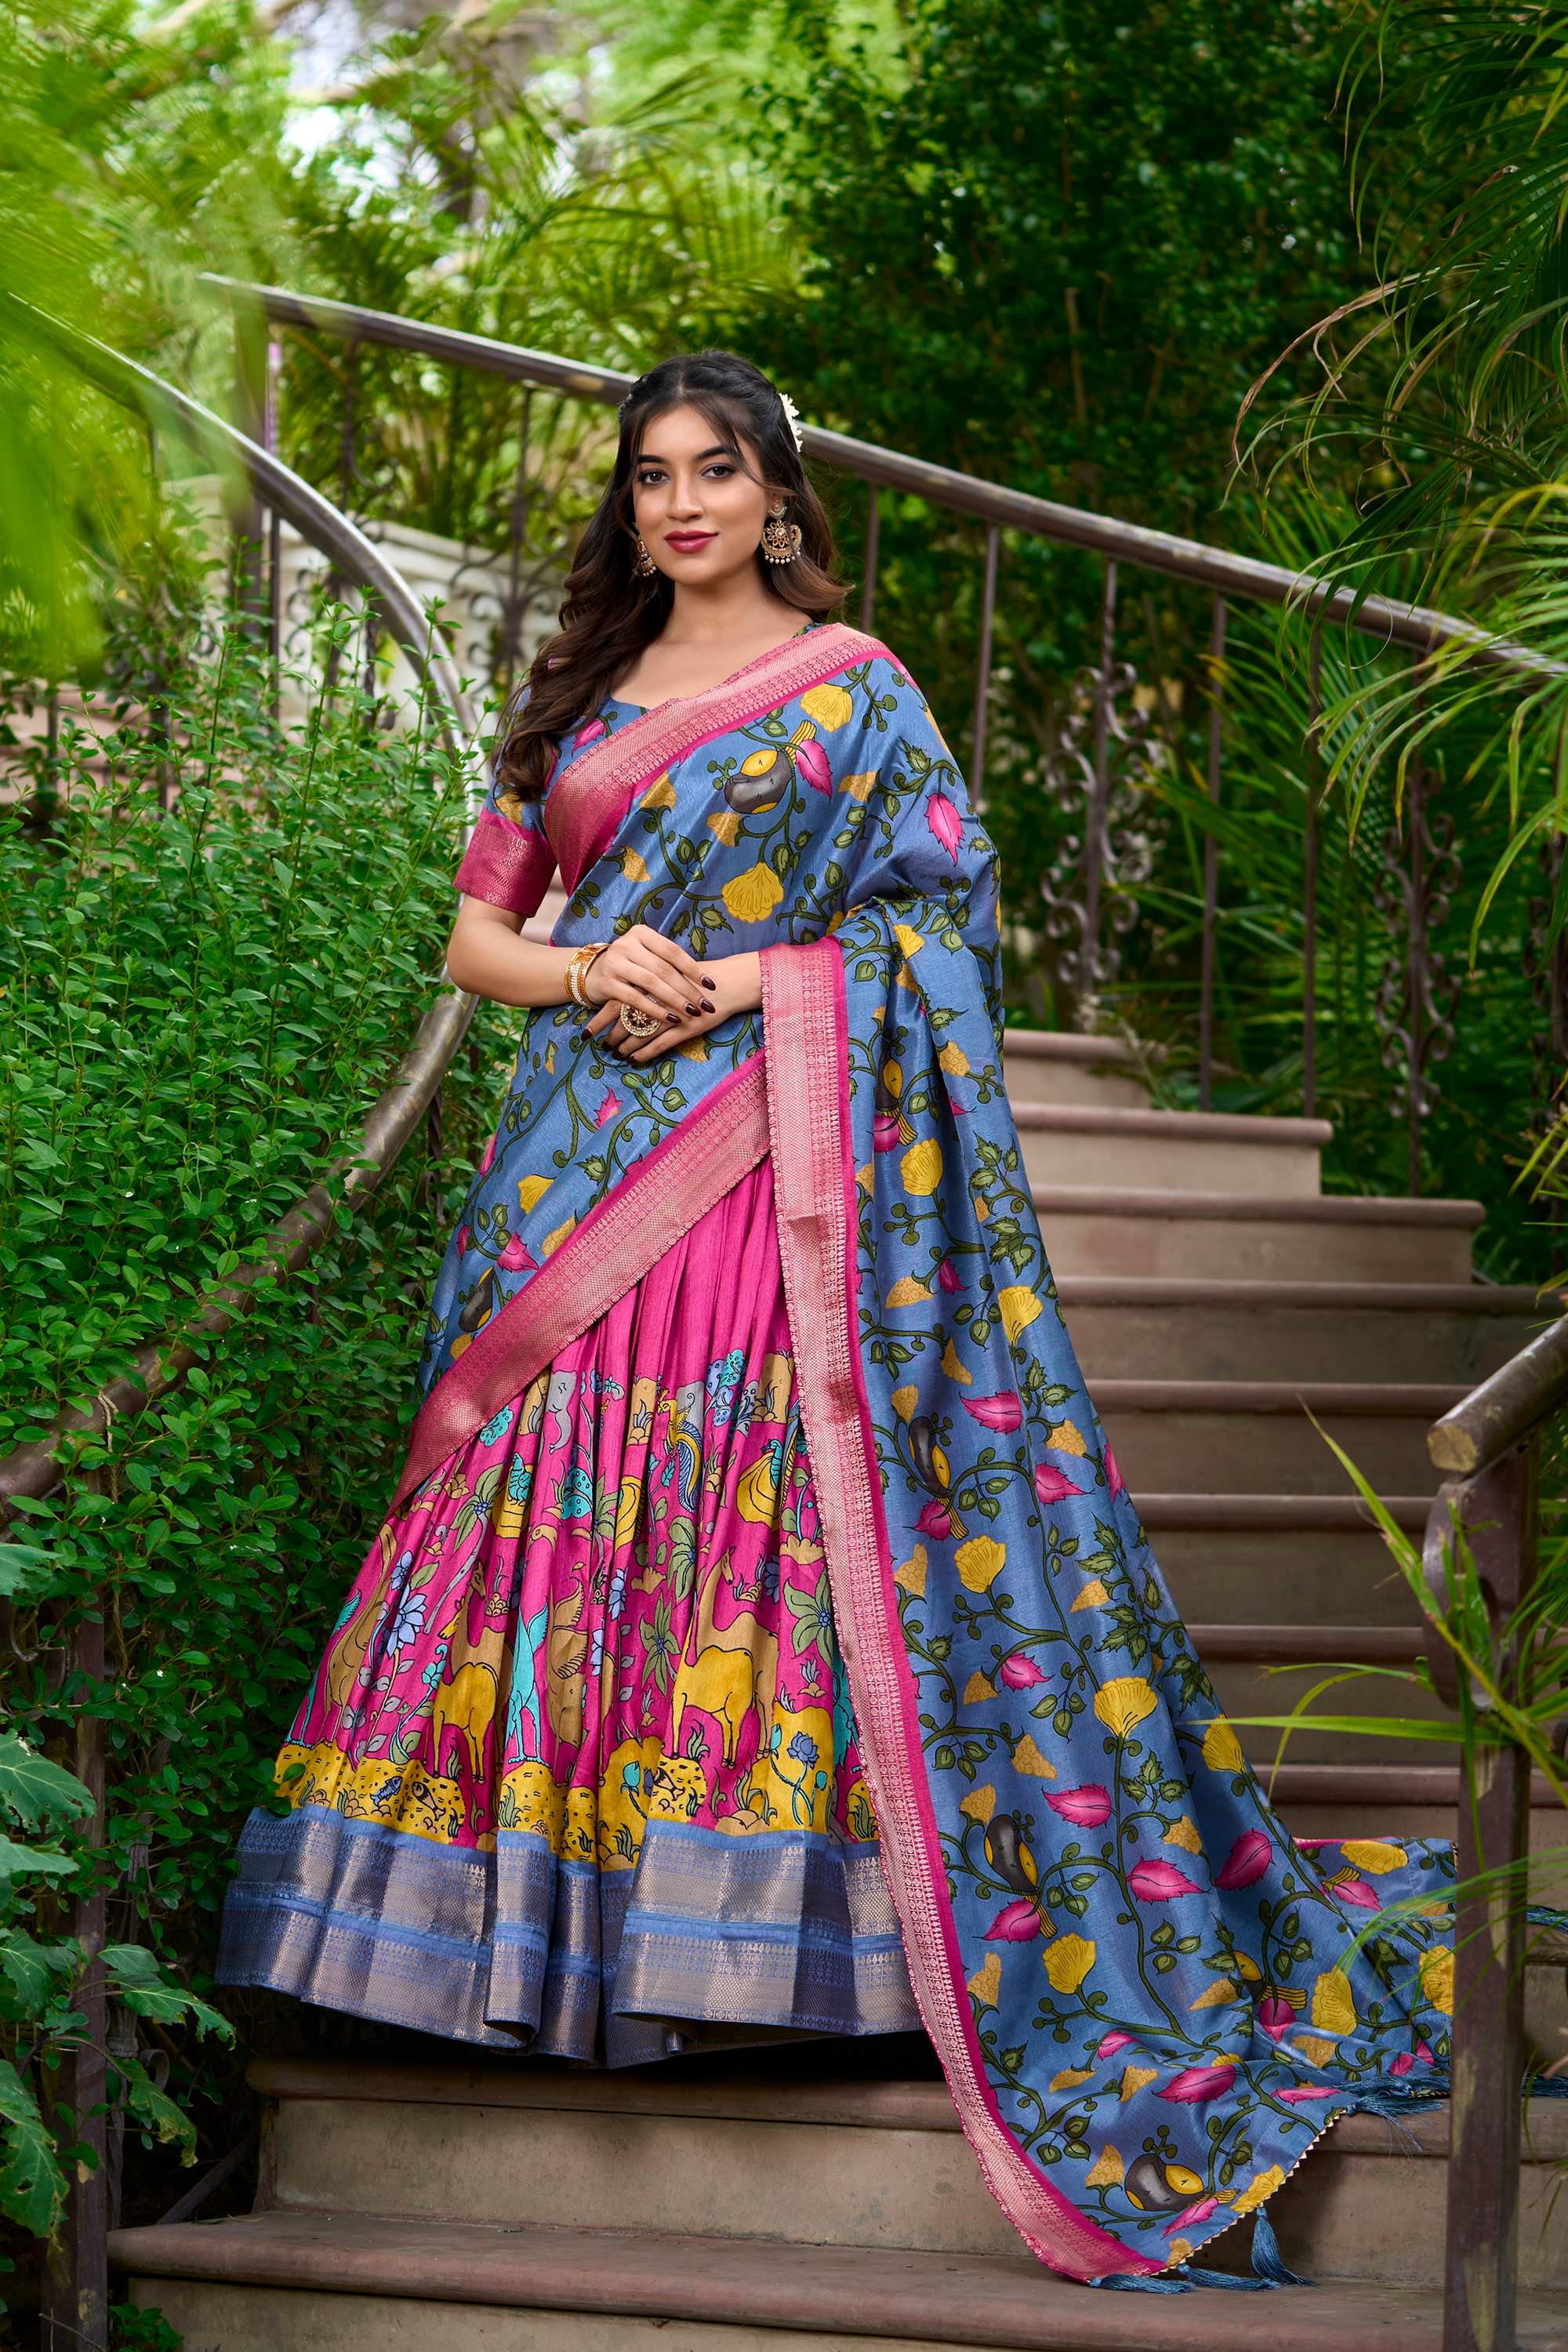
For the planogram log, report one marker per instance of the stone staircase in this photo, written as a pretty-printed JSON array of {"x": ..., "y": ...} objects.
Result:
[{"x": 816, "y": 2197}]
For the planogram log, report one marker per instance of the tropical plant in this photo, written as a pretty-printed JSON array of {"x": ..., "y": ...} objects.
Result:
[
  {"x": 1430, "y": 448},
  {"x": 42, "y": 1977},
  {"x": 133, "y": 156}
]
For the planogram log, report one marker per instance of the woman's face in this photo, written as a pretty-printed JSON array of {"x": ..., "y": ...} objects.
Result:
[{"x": 699, "y": 515}]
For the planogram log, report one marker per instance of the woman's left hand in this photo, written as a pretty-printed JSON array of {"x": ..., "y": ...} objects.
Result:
[{"x": 738, "y": 988}]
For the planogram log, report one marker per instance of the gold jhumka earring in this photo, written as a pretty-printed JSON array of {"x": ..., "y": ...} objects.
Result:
[
  {"x": 781, "y": 540},
  {"x": 645, "y": 567}
]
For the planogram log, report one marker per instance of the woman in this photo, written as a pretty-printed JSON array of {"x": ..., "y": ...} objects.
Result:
[{"x": 762, "y": 1638}]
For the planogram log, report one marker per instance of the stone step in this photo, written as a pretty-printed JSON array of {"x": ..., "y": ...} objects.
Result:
[
  {"x": 1202, "y": 1437},
  {"x": 1280, "y": 1559},
  {"x": 1047, "y": 1065},
  {"x": 323, "y": 2282},
  {"x": 1176, "y": 1151},
  {"x": 807, "y": 2156},
  {"x": 1246, "y": 1690},
  {"x": 1208, "y": 1329},
  {"x": 1328, "y": 1237}
]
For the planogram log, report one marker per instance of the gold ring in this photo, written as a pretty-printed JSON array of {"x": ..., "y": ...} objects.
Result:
[{"x": 638, "y": 1024}]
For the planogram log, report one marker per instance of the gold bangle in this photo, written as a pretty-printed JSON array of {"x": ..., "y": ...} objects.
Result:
[{"x": 577, "y": 969}]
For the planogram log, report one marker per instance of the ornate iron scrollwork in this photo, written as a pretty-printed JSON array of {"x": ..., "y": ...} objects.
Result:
[
  {"x": 1417, "y": 993},
  {"x": 1106, "y": 757}
]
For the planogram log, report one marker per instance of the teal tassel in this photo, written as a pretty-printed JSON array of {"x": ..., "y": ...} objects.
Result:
[{"x": 1267, "y": 2260}]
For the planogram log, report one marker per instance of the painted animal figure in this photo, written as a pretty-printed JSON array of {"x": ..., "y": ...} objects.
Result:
[
  {"x": 722, "y": 1683},
  {"x": 343, "y": 1668},
  {"x": 523, "y": 1695},
  {"x": 566, "y": 1651},
  {"x": 466, "y": 1704},
  {"x": 735, "y": 1667}
]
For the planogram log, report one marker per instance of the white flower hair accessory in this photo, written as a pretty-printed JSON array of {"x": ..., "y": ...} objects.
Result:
[{"x": 792, "y": 414}]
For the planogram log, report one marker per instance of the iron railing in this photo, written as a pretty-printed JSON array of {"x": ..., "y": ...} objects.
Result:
[{"x": 1490, "y": 1451}]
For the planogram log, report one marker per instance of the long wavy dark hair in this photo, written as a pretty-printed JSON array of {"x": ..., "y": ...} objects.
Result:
[{"x": 610, "y": 612}]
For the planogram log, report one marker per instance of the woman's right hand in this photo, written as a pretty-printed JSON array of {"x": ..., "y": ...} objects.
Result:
[{"x": 643, "y": 968}]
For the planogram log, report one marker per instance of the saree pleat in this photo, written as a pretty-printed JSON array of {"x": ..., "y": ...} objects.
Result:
[{"x": 579, "y": 1768}]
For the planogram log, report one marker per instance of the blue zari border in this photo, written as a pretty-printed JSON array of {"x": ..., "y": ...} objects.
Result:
[{"x": 519, "y": 1949}]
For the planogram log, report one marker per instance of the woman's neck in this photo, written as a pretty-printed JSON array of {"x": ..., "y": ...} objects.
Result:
[{"x": 706, "y": 637}]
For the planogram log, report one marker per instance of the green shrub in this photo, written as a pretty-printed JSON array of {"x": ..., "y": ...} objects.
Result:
[{"x": 220, "y": 945}]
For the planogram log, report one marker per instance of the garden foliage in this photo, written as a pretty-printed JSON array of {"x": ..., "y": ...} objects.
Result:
[{"x": 225, "y": 935}]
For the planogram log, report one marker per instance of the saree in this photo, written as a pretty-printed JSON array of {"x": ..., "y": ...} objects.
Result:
[{"x": 762, "y": 1632}]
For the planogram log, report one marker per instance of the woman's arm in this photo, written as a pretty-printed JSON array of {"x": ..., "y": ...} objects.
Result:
[{"x": 485, "y": 955}]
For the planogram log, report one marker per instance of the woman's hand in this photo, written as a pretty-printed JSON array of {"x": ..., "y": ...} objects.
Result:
[{"x": 662, "y": 977}]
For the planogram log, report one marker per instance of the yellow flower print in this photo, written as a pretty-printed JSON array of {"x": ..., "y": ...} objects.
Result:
[
  {"x": 1071, "y": 2076},
  {"x": 660, "y": 793},
  {"x": 1108, "y": 2171},
  {"x": 1068, "y": 1961},
  {"x": 987, "y": 1981},
  {"x": 1095, "y": 1595},
  {"x": 978, "y": 1689},
  {"x": 905, "y": 1401},
  {"x": 1316, "y": 2049},
  {"x": 1373, "y": 1856},
  {"x": 531, "y": 1191},
  {"x": 907, "y": 1291},
  {"x": 1259, "y": 2189},
  {"x": 830, "y": 706},
  {"x": 910, "y": 940},
  {"x": 633, "y": 868},
  {"x": 858, "y": 787},
  {"x": 954, "y": 1061},
  {"x": 553, "y": 1240},
  {"x": 1062, "y": 1437},
  {"x": 1334, "y": 2005},
  {"x": 1017, "y": 1305},
  {"x": 725, "y": 826},
  {"x": 1026, "y": 1758},
  {"x": 1438, "y": 1978},
  {"x": 911, "y": 1577},
  {"x": 751, "y": 896},
  {"x": 979, "y": 1805},
  {"x": 979, "y": 1562},
  {"x": 1123, "y": 1704},
  {"x": 1137, "y": 2078},
  {"x": 1184, "y": 1833},
  {"x": 954, "y": 1369},
  {"x": 1222, "y": 1748},
  {"x": 1216, "y": 1995},
  {"x": 921, "y": 1168}
]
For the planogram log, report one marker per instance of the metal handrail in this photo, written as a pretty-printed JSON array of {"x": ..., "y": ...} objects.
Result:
[
  {"x": 1504, "y": 1410},
  {"x": 31, "y": 1470},
  {"x": 1219, "y": 569}
]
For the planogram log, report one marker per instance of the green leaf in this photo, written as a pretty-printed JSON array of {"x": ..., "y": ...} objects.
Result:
[
  {"x": 33, "y": 1791},
  {"x": 31, "y": 1970},
  {"x": 23, "y": 1569},
  {"x": 32, "y": 2185},
  {"x": 34, "y": 1861}
]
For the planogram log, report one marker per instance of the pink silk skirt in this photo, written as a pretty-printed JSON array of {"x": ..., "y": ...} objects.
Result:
[{"x": 579, "y": 1770}]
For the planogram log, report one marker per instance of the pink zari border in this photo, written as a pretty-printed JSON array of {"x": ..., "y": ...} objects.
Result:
[
  {"x": 586, "y": 808},
  {"x": 504, "y": 865},
  {"x": 805, "y": 1034},
  {"x": 657, "y": 1201}
]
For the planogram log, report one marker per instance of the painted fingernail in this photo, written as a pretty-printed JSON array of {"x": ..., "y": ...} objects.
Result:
[
  {"x": 694, "y": 1008},
  {"x": 709, "y": 983}
]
